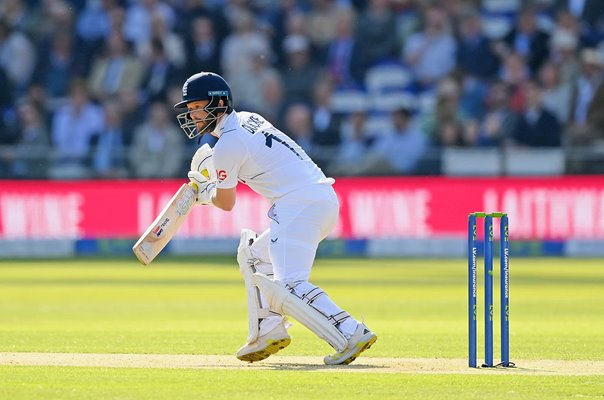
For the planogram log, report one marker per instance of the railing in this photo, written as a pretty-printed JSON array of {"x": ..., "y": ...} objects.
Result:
[
  {"x": 453, "y": 161},
  {"x": 45, "y": 163}
]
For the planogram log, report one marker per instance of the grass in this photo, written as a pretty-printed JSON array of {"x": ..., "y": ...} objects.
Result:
[
  {"x": 84, "y": 383},
  {"x": 417, "y": 307}
]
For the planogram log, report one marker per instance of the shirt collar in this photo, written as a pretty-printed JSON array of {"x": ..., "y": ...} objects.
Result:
[{"x": 224, "y": 124}]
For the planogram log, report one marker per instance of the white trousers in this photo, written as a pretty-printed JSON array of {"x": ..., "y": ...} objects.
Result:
[{"x": 298, "y": 222}]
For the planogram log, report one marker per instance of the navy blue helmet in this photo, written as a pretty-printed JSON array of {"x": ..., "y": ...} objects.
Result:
[{"x": 204, "y": 86}]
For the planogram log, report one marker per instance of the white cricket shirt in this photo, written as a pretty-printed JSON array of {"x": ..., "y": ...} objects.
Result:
[{"x": 252, "y": 151}]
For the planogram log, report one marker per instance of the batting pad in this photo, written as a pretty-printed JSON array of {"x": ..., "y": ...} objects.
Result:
[
  {"x": 284, "y": 302},
  {"x": 256, "y": 310}
]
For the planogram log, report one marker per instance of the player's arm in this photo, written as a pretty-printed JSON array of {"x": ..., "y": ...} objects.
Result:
[
  {"x": 225, "y": 198},
  {"x": 207, "y": 193}
]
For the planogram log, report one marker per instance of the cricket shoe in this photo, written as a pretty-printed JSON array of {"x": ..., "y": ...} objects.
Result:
[
  {"x": 266, "y": 345},
  {"x": 361, "y": 340}
]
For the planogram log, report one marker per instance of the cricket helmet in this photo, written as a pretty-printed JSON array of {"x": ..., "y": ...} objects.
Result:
[{"x": 204, "y": 86}]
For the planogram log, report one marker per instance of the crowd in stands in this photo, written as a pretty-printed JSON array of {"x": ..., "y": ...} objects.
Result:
[{"x": 364, "y": 86}]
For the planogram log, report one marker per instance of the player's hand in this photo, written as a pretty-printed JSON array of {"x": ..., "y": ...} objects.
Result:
[
  {"x": 205, "y": 187},
  {"x": 203, "y": 161}
]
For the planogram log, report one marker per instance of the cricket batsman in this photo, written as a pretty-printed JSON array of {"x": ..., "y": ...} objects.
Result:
[{"x": 303, "y": 210}]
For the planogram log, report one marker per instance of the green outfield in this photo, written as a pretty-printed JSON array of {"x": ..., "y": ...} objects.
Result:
[{"x": 112, "y": 329}]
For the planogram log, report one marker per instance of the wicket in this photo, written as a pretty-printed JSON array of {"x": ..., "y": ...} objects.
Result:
[{"x": 504, "y": 252}]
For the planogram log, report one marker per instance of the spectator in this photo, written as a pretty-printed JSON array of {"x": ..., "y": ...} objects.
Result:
[
  {"x": 527, "y": 40},
  {"x": 139, "y": 19},
  {"x": 398, "y": 151},
  {"x": 93, "y": 25},
  {"x": 117, "y": 20},
  {"x": 204, "y": 50},
  {"x": 278, "y": 56},
  {"x": 17, "y": 56},
  {"x": 73, "y": 128},
  {"x": 342, "y": 58},
  {"x": 37, "y": 95},
  {"x": 301, "y": 74},
  {"x": 16, "y": 14},
  {"x": 51, "y": 16},
  {"x": 515, "y": 73},
  {"x": 321, "y": 25},
  {"x": 456, "y": 10},
  {"x": 109, "y": 156},
  {"x": 354, "y": 148},
  {"x": 431, "y": 52},
  {"x": 148, "y": 155},
  {"x": 375, "y": 35},
  {"x": 160, "y": 74},
  {"x": 298, "y": 123},
  {"x": 590, "y": 12},
  {"x": 28, "y": 158},
  {"x": 264, "y": 90},
  {"x": 496, "y": 127},
  {"x": 239, "y": 50},
  {"x": 592, "y": 74},
  {"x": 595, "y": 120},
  {"x": 116, "y": 71},
  {"x": 450, "y": 133},
  {"x": 132, "y": 112},
  {"x": 294, "y": 24},
  {"x": 474, "y": 50},
  {"x": 557, "y": 94},
  {"x": 564, "y": 46},
  {"x": 472, "y": 92},
  {"x": 566, "y": 22},
  {"x": 57, "y": 66},
  {"x": 172, "y": 43},
  {"x": 326, "y": 124},
  {"x": 447, "y": 110},
  {"x": 272, "y": 98},
  {"x": 191, "y": 10},
  {"x": 408, "y": 18},
  {"x": 536, "y": 127}
]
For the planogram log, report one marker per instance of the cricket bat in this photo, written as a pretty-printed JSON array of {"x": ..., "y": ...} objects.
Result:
[{"x": 165, "y": 226}]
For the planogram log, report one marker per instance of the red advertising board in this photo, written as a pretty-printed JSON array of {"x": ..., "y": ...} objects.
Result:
[{"x": 422, "y": 207}]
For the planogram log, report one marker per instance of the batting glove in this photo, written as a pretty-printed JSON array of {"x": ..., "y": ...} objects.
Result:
[
  {"x": 203, "y": 162},
  {"x": 205, "y": 187}
]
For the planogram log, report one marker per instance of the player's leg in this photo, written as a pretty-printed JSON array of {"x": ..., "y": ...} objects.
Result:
[
  {"x": 267, "y": 330},
  {"x": 286, "y": 300},
  {"x": 295, "y": 235}
]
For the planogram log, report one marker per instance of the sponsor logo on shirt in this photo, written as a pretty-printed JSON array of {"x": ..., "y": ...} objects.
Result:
[{"x": 222, "y": 175}]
